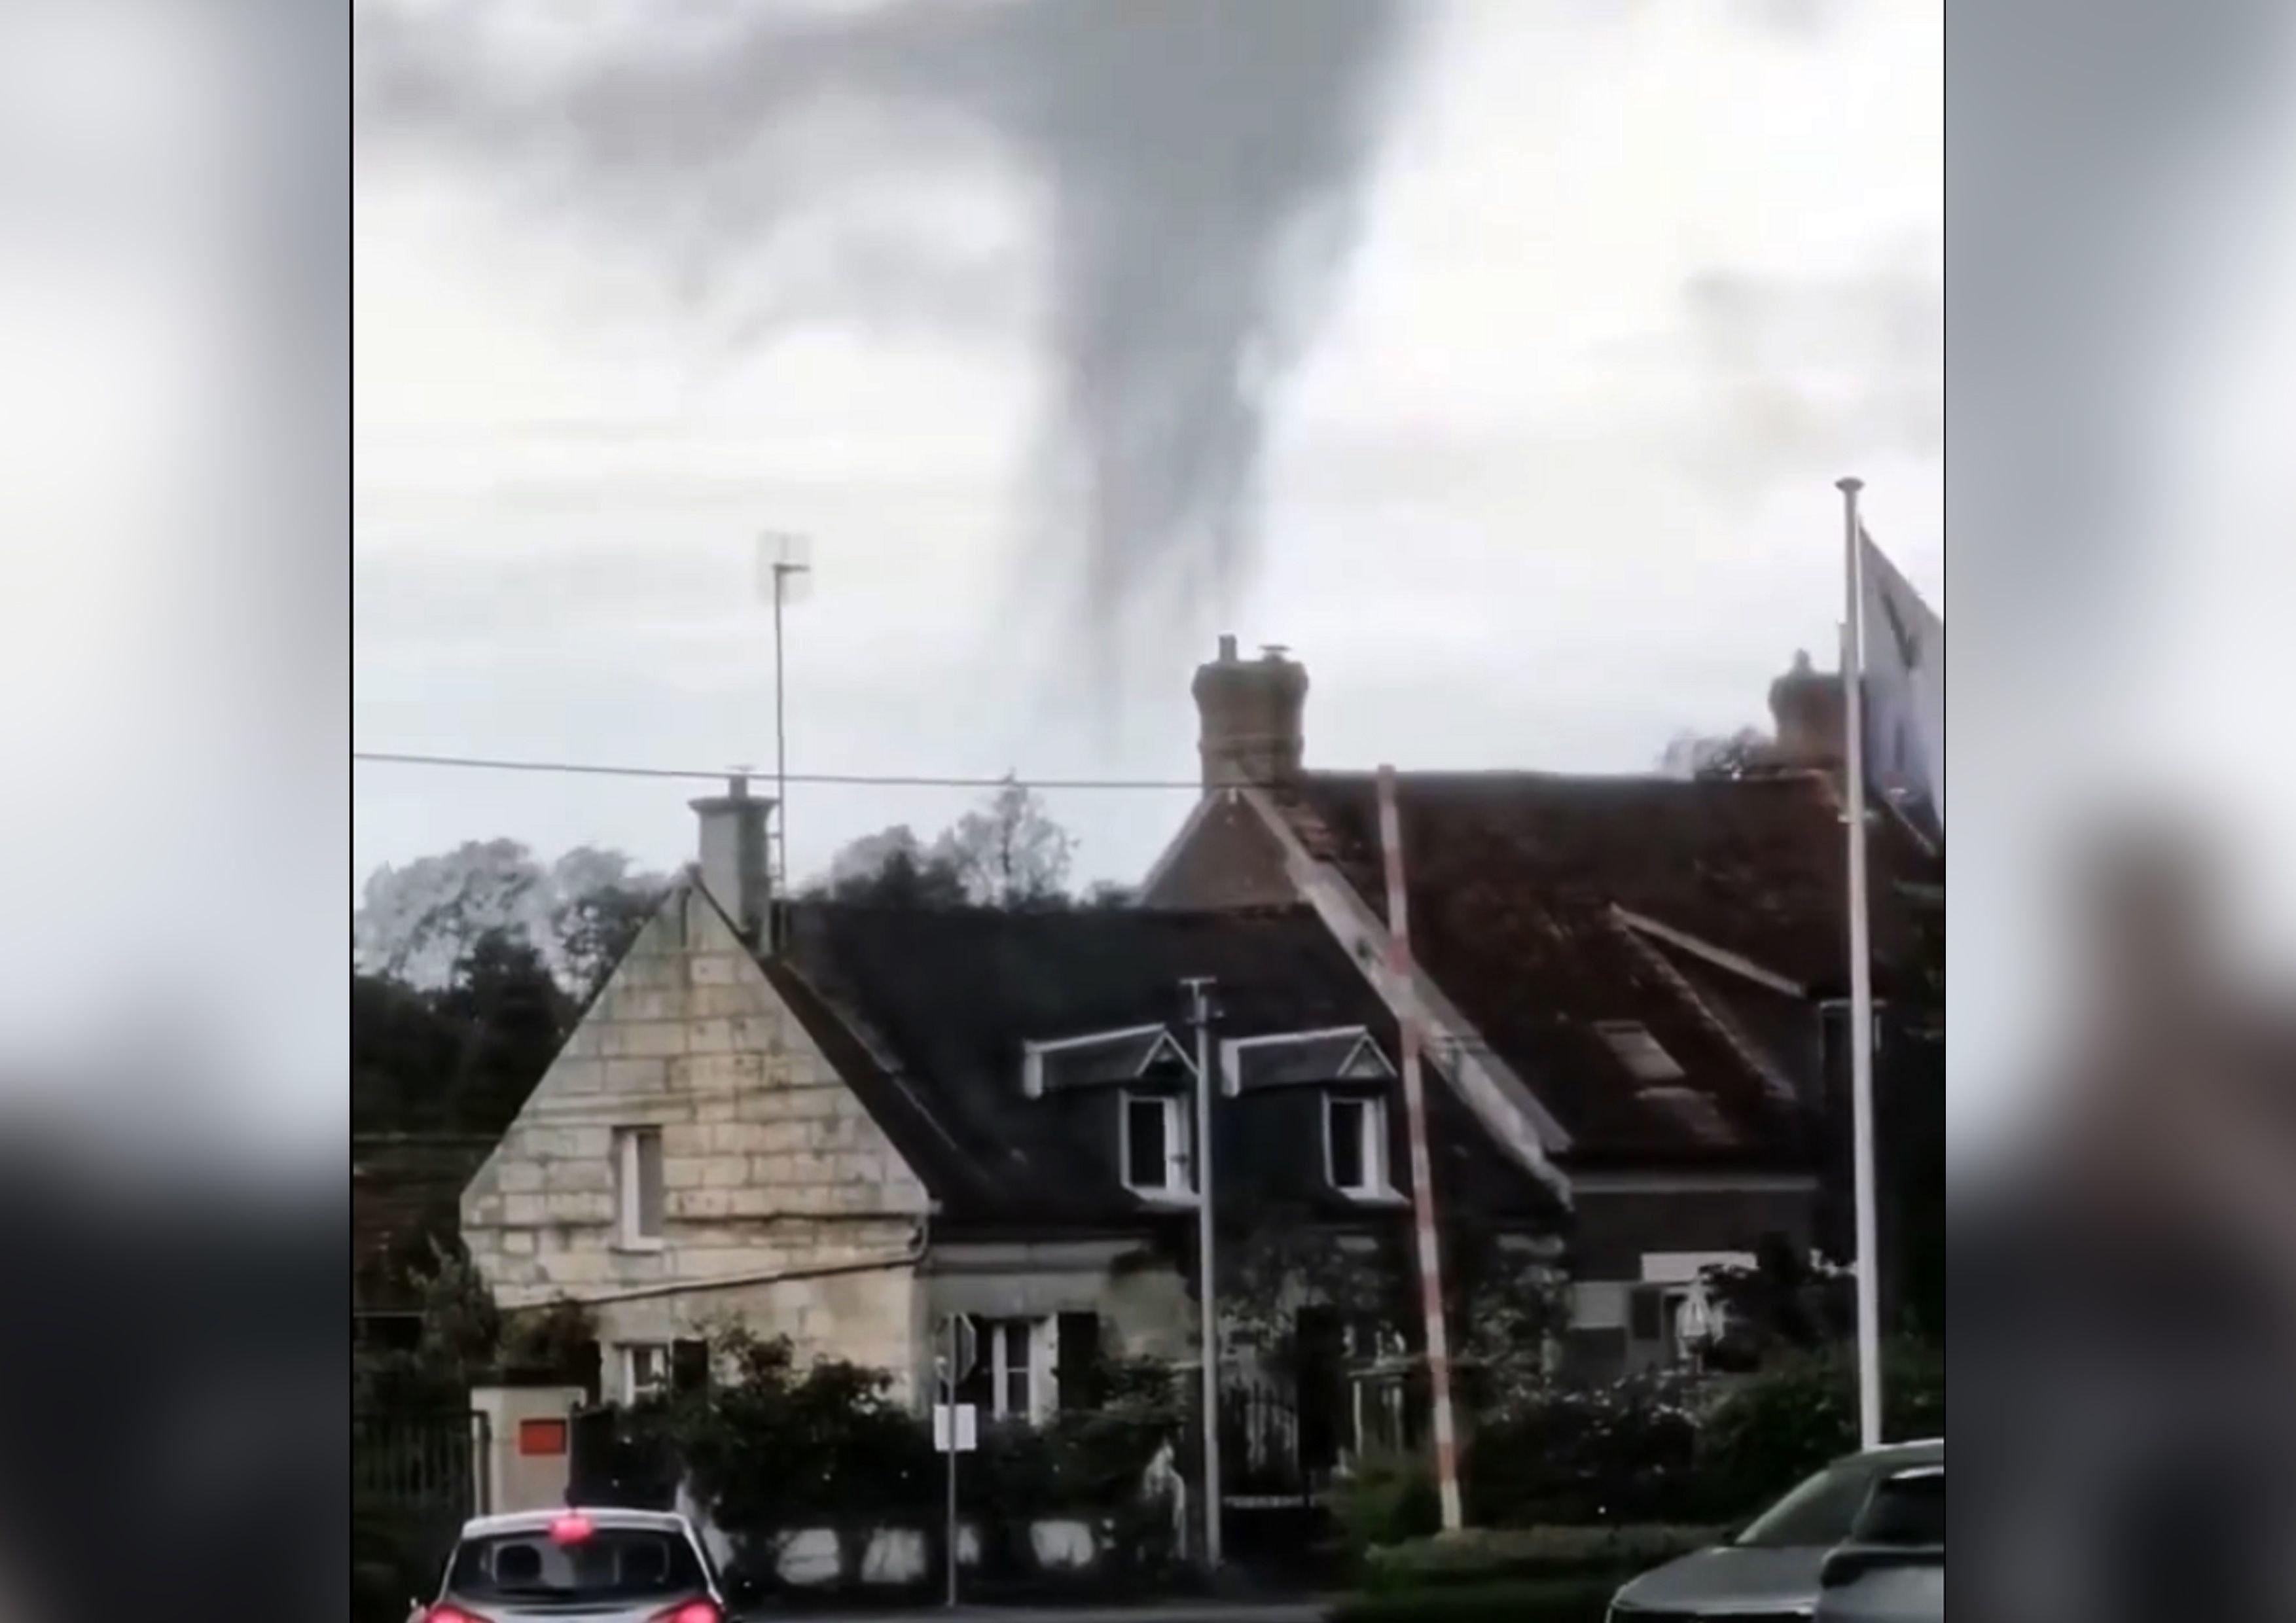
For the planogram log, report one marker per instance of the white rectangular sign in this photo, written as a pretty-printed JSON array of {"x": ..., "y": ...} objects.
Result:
[{"x": 968, "y": 1428}]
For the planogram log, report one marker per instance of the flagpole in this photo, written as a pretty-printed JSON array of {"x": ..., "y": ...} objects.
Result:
[{"x": 1861, "y": 978}]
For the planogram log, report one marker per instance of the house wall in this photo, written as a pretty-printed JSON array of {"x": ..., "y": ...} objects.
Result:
[
  {"x": 770, "y": 1166},
  {"x": 1143, "y": 1303},
  {"x": 1616, "y": 1228},
  {"x": 1633, "y": 1231}
]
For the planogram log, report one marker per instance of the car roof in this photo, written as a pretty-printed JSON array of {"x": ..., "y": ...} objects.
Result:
[
  {"x": 1927, "y": 1451},
  {"x": 604, "y": 1516}
]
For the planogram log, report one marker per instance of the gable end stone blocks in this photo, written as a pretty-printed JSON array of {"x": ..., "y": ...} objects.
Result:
[{"x": 770, "y": 1166}]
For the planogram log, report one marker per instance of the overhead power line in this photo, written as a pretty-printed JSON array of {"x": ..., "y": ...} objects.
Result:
[{"x": 865, "y": 780}]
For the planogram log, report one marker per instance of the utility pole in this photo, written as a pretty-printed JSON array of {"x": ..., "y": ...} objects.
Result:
[{"x": 1199, "y": 1015}]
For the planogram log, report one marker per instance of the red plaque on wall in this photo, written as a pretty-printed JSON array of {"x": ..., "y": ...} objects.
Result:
[{"x": 536, "y": 1437}]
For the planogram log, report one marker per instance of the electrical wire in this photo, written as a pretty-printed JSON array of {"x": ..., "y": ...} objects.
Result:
[{"x": 717, "y": 774}]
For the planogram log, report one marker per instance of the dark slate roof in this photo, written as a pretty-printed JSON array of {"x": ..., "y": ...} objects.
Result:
[
  {"x": 1753, "y": 864},
  {"x": 1517, "y": 881},
  {"x": 927, "y": 1013}
]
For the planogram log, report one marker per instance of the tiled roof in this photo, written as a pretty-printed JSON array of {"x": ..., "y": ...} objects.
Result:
[
  {"x": 928, "y": 1013},
  {"x": 1517, "y": 883}
]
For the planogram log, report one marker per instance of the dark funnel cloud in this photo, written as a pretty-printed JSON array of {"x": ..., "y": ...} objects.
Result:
[{"x": 1198, "y": 167}]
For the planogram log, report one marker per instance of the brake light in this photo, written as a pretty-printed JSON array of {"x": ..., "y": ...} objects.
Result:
[
  {"x": 572, "y": 1527},
  {"x": 444, "y": 1613},
  {"x": 693, "y": 1612}
]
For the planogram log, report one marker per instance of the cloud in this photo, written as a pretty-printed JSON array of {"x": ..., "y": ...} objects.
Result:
[{"x": 1194, "y": 168}]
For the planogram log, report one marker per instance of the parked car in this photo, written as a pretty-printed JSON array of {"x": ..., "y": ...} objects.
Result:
[
  {"x": 1770, "y": 1571},
  {"x": 1891, "y": 1568},
  {"x": 608, "y": 1566}
]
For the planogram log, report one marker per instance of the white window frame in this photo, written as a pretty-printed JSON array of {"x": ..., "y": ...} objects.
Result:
[
  {"x": 1038, "y": 1359},
  {"x": 628, "y": 1206},
  {"x": 628, "y": 1356},
  {"x": 1179, "y": 1164},
  {"x": 1373, "y": 1148}
]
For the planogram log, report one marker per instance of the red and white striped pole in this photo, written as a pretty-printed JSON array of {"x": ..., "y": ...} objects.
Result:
[{"x": 1422, "y": 1180}]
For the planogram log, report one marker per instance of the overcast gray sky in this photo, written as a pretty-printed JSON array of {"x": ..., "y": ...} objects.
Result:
[{"x": 1551, "y": 480}]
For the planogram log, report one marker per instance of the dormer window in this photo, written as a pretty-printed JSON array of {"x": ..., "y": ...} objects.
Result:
[
  {"x": 1155, "y": 1148},
  {"x": 1355, "y": 1143}
]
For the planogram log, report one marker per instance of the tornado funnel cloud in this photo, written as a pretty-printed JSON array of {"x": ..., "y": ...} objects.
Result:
[{"x": 1200, "y": 163}]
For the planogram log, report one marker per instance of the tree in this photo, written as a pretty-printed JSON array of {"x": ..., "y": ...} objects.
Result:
[
  {"x": 417, "y": 923},
  {"x": 891, "y": 868},
  {"x": 509, "y": 1016},
  {"x": 1009, "y": 853},
  {"x": 403, "y": 1050},
  {"x": 596, "y": 928}
]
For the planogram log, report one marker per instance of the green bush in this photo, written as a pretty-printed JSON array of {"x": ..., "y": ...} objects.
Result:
[
  {"x": 775, "y": 1447},
  {"x": 1778, "y": 1427},
  {"x": 1625, "y": 1451},
  {"x": 1386, "y": 1499},
  {"x": 1483, "y": 1555},
  {"x": 1563, "y": 1600}
]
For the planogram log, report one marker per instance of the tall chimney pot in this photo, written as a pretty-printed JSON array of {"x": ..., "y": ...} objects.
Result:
[
  {"x": 1806, "y": 710},
  {"x": 733, "y": 860},
  {"x": 1250, "y": 716}
]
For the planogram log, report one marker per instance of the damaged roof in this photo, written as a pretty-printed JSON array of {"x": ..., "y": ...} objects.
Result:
[
  {"x": 1552, "y": 909},
  {"x": 1753, "y": 864},
  {"x": 928, "y": 1015}
]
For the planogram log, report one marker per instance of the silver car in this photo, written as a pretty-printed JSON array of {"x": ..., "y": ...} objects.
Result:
[
  {"x": 1891, "y": 1568},
  {"x": 1769, "y": 1572},
  {"x": 602, "y": 1566}
]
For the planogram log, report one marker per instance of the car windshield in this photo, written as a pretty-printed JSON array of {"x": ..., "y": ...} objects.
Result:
[
  {"x": 1906, "y": 1510},
  {"x": 609, "y": 1564},
  {"x": 1820, "y": 1513}
]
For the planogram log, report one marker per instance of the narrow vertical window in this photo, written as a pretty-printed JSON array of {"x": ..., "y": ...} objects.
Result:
[{"x": 638, "y": 1185}]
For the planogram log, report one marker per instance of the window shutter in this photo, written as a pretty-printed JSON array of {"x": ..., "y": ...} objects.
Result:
[
  {"x": 978, "y": 1385},
  {"x": 1647, "y": 1313},
  {"x": 689, "y": 1366},
  {"x": 1079, "y": 1361},
  {"x": 588, "y": 1369}
]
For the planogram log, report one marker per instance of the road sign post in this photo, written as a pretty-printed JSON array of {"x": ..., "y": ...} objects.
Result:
[{"x": 954, "y": 1430}]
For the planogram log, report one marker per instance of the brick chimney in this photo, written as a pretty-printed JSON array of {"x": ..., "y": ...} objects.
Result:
[
  {"x": 1806, "y": 707},
  {"x": 1249, "y": 716},
  {"x": 733, "y": 864}
]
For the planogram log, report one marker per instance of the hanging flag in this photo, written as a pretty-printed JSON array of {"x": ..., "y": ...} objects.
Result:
[{"x": 1904, "y": 687}]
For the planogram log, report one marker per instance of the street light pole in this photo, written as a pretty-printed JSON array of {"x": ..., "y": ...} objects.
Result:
[{"x": 1207, "y": 1311}]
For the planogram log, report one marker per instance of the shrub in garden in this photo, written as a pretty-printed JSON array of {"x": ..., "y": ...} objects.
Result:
[
  {"x": 1386, "y": 1499},
  {"x": 773, "y": 1448},
  {"x": 1775, "y": 1428},
  {"x": 1623, "y": 1451}
]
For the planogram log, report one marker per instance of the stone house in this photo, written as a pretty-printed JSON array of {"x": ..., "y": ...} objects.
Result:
[
  {"x": 899, "y": 1116},
  {"x": 1640, "y": 980}
]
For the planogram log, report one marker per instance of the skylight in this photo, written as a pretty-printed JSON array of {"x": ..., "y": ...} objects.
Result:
[
  {"x": 1693, "y": 1111},
  {"x": 1638, "y": 1051}
]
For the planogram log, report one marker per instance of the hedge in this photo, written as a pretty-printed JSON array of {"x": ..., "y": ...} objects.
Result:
[
  {"x": 1484, "y": 1555},
  {"x": 1560, "y": 1600}
]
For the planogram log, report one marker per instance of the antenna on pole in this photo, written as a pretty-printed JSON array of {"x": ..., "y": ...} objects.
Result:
[{"x": 784, "y": 577}]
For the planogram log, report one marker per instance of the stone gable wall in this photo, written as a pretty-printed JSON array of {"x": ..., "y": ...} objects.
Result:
[{"x": 770, "y": 1165}]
